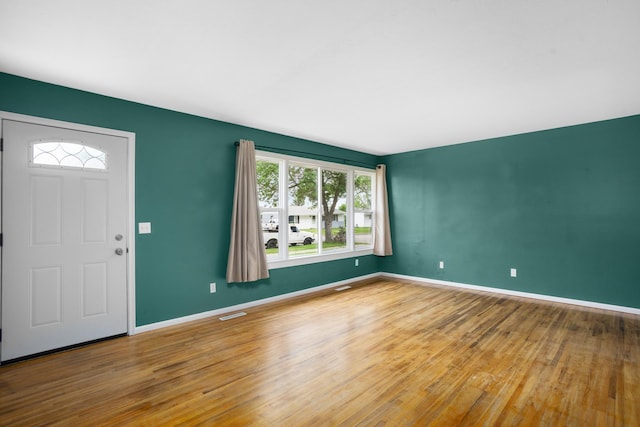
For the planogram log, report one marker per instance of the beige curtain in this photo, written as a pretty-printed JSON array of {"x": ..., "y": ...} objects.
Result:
[
  {"x": 247, "y": 258},
  {"x": 382, "y": 231}
]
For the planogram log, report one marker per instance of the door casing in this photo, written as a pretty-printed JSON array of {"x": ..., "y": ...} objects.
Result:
[{"x": 130, "y": 138}]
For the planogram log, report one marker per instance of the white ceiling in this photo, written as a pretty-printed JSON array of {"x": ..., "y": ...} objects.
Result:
[{"x": 378, "y": 76}]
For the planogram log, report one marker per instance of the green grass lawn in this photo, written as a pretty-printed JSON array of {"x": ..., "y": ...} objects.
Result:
[
  {"x": 310, "y": 248},
  {"x": 334, "y": 231},
  {"x": 362, "y": 230},
  {"x": 314, "y": 247}
]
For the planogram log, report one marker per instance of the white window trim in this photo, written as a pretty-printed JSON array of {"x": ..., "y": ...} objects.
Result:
[{"x": 283, "y": 211}]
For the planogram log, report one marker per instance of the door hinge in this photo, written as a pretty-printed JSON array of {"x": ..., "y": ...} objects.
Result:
[
  {"x": 0, "y": 335},
  {"x": 1, "y": 240},
  {"x": 1, "y": 144}
]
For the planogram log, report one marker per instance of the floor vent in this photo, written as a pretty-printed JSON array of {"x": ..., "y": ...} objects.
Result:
[
  {"x": 233, "y": 316},
  {"x": 342, "y": 288}
]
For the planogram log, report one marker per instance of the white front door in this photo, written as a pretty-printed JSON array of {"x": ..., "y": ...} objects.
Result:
[{"x": 64, "y": 225}]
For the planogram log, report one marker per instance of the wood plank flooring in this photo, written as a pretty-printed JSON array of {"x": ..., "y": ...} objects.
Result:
[{"x": 388, "y": 353}]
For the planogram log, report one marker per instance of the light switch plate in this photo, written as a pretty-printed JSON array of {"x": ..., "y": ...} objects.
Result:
[
  {"x": 144, "y": 228},
  {"x": 514, "y": 272}
]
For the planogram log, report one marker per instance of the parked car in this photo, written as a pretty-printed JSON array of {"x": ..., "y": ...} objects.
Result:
[{"x": 296, "y": 237}]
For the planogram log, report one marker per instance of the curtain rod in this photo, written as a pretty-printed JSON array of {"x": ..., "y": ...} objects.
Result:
[{"x": 288, "y": 150}]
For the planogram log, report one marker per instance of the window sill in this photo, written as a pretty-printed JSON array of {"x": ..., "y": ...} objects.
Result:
[{"x": 302, "y": 260}]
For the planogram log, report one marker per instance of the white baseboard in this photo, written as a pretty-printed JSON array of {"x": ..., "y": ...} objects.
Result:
[
  {"x": 542, "y": 297},
  {"x": 422, "y": 280},
  {"x": 244, "y": 306}
]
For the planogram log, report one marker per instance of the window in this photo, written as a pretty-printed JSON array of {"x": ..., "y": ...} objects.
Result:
[
  {"x": 67, "y": 154},
  {"x": 294, "y": 219},
  {"x": 363, "y": 209},
  {"x": 328, "y": 209}
]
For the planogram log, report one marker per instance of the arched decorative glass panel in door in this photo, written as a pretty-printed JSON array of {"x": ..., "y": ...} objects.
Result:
[{"x": 67, "y": 154}]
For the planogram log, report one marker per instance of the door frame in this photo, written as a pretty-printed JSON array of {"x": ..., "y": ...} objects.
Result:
[{"x": 130, "y": 138}]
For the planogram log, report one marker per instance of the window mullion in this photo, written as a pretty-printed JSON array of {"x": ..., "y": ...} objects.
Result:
[
  {"x": 349, "y": 213},
  {"x": 283, "y": 221},
  {"x": 320, "y": 211}
]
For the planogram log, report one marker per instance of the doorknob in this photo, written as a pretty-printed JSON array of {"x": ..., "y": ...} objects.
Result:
[
  {"x": 118, "y": 237},
  {"x": 119, "y": 251}
]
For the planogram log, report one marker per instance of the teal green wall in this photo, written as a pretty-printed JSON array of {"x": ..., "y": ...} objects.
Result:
[
  {"x": 562, "y": 206},
  {"x": 184, "y": 186}
]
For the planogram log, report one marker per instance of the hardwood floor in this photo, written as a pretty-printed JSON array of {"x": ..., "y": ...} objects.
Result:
[{"x": 387, "y": 353}]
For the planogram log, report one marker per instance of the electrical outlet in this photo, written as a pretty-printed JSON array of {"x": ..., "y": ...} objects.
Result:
[
  {"x": 514, "y": 272},
  {"x": 357, "y": 262},
  {"x": 212, "y": 288},
  {"x": 441, "y": 265}
]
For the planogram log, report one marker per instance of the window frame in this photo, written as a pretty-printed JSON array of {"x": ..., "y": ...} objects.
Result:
[{"x": 282, "y": 210}]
